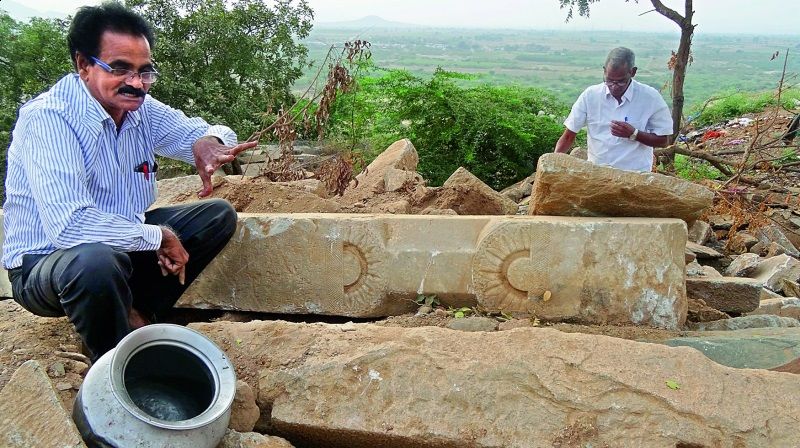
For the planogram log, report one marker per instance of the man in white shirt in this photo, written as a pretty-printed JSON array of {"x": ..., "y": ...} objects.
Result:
[{"x": 625, "y": 118}]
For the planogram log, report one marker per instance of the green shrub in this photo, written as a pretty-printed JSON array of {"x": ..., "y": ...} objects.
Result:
[
  {"x": 497, "y": 133},
  {"x": 735, "y": 104},
  {"x": 693, "y": 169}
]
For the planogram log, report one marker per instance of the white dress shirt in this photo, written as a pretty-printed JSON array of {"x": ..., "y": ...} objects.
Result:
[
  {"x": 642, "y": 106},
  {"x": 73, "y": 179}
]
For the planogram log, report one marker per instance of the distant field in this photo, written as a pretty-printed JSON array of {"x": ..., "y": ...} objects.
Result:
[{"x": 566, "y": 62}]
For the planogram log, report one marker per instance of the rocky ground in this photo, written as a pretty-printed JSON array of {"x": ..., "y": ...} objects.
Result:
[{"x": 745, "y": 238}]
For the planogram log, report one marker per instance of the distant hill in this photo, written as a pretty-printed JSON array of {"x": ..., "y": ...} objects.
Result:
[
  {"x": 366, "y": 22},
  {"x": 21, "y": 12}
]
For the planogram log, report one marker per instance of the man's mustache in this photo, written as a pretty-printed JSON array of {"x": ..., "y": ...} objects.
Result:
[{"x": 132, "y": 91}]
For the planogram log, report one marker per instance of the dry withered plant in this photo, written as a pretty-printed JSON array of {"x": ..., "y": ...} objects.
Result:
[
  {"x": 756, "y": 175},
  {"x": 311, "y": 110}
]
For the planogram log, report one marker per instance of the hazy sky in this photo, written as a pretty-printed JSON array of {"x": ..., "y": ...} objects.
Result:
[{"x": 712, "y": 16}]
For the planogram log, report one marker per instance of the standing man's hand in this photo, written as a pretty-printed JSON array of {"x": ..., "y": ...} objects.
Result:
[
  {"x": 621, "y": 129},
  {"x": 210, "y": 154},
  {"x": 172, "y": 257}
]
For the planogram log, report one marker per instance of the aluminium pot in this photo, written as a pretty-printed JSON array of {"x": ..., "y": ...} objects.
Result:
[{"x": 162, "y": 386}]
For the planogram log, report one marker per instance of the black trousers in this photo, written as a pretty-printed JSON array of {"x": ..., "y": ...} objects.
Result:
[{"x": 95, "y": 286}]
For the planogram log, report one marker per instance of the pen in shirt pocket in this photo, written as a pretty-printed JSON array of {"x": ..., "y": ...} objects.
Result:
[{"x": 145, "y": 169}]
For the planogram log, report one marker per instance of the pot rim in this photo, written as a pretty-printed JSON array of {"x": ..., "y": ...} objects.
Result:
[{"x": 190, "y": 340}]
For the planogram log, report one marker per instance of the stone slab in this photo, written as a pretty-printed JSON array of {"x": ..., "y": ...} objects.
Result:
[
  {"x": 727, "y": 294},
  {"x": 608, "y": 270},
  {"x": 757, "y": 348},
  {"x": 375, "y": 386},
  {"x": 31, "y": 414},
  {"x": 567, "y": 186}
]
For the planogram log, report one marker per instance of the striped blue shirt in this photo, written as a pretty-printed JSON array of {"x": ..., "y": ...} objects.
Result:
[{"x": 73, "y": 179}]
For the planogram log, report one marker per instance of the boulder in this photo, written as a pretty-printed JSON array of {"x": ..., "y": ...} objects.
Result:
[
  {"x": 567, "y": 186},
  {"x": 703, "y": 252},
  {"x": 398, "y": 387},
  {"x": 773, "y": 234},
  {"x": 700, "y": 232},
  {"x": 743, "y": 266},
  {"x": 790, "y": 288},
  {"x": 519, "y": 190},
  {"x": 235, "y": 439},
  {"x": 395, "y": 180},
  {"x": 772, "y": 271},
  {"x": 401, "y": 155},
  {"x": 468, "y": 195},
  {"x": 756, "y": 348},
  {"x": 31, "y": 414},
  {"x": 581, "y": 153},
  {"x": 782, "y": 306},
  {"x": 727, "y": 294},
  {"x": 699, "y": 311},
  {"x": 720, "y": 222},
  {"x": 745, "y": 322},
  {"x": 244, "y": 411},
  {"x": 742, "y": 242}
]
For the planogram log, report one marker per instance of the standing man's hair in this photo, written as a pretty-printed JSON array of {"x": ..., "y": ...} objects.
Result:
[
  {"x": 619, "y": 57},
  {"x": 90, "y": 22}
]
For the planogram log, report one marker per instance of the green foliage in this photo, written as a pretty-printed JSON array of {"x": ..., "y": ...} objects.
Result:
[
  {"x": 497, "y": 133},
  {"x": 227, "y": 62},
  {"x": 693, "y": 169},
  {"x": 789, "y": 155},
  {"x": 460, "y": 313},
  {"x": 431, "y": 300},
  {"x": 735, "y": 104},
  {"x": 33, "y": 56}
]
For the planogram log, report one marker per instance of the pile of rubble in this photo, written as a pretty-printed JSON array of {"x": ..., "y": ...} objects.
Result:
[{"x": 597, "y": 246}]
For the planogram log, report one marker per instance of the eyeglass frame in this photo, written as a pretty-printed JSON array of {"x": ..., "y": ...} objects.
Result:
[
  {"x": 616, "y": 83},
  {"x": 128, "y": 74}
]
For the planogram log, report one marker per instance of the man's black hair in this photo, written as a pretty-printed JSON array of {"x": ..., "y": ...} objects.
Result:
[{"x": 90, "y": 22}]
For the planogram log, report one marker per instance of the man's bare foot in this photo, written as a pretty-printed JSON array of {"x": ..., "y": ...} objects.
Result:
[{"x": 136, "y": 320}]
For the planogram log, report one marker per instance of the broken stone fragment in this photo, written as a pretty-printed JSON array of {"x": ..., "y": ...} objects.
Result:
[
  {"x": 244, "y": 411},
  {"x": 783, "y": 306},
  {"x": 745, "y": 322},
  {"x": 728, "y": 294},
  {"x": 700, "y": 312},
  {"x": 703, "y": 252},
  {"x": 743, "y": 266},
  {"x": 567, "y": 186},
  {"x": 700, "y": 232},
  {"x": 772, "y": 271}
]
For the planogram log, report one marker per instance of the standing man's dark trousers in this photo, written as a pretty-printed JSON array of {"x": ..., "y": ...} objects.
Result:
[{"x": 96, "y": 286}]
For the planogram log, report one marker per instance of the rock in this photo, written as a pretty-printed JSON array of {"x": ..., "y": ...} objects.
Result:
[
  {"x": 401, "y": 207},
  {"x": 694, "y": 269},
  {"x": 790, "y": 367},
  {"x": 384, "y": 386},
  {"x": 468, "y": 195},
  {"x": 741, "y": 242},
  {"x": 788, "y": 222},
  {"x": 703, "y": 252},
  {"x": 566, "y": 186},
  {"x": 772, "y": 271},
  {"x": 743, "y": 266},
  {"x": 244, "y": 411},
  {"x": 580, "y": 153},
  {"x": 767, "y": 294},
  {"x": 519, "y": 190},
  {"x": 700, "y": 312},
  {"x": 727, "y": 294},
  {"x": 773, "y": 234},
  {"x": 744, "y": 322},
  {"x": 783, "y": 307},
  {"x": 473, "y": 323},
  {"x": 63, "y": 385},
  {"x": 31, "y": 414},
  {"x": 401, "y": 155},
  {"x": 758, "y": 348},
  {"x": 234, "y": 439},
  {"x": 395, "y": 180},
  {"x": 721, "y": 222},
  {"x": 313, "y": 186},
  {"x": 700, "y": 232},
  {"x": 515, "y": 323},
  {"x": 710, "y": 272},
  {"x": 438, "y": 211},
  {"x": 689, "y": 256},
  {"x": 774, "y": 249},
  {"x": 423, "y": 310},
  {"x": 790, "y": 288},
  {"x": 368, "y": 266},
  {"x": 78, "y": 367},
  {"x": 57, "y": 370}
]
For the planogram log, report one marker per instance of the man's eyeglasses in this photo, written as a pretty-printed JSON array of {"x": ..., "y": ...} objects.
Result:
[
  {"x": 617, "y": 83},
  {"x": 146, "y": 77}
]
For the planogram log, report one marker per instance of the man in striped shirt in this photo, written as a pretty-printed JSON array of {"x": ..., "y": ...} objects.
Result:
[{"x": 81, "y": 175}]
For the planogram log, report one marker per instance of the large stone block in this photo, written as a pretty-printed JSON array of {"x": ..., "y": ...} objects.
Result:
[
  {"x": 31, "y": 414},
  {"x": 567, "y": 186},
  {"x": 729, "y": 294},
  {"x": 612, "y": 270},
  {"x": 374, "y": 386}
]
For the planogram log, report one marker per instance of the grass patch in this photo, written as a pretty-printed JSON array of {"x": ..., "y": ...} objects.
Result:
[{"x": 735, "y": 104}]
